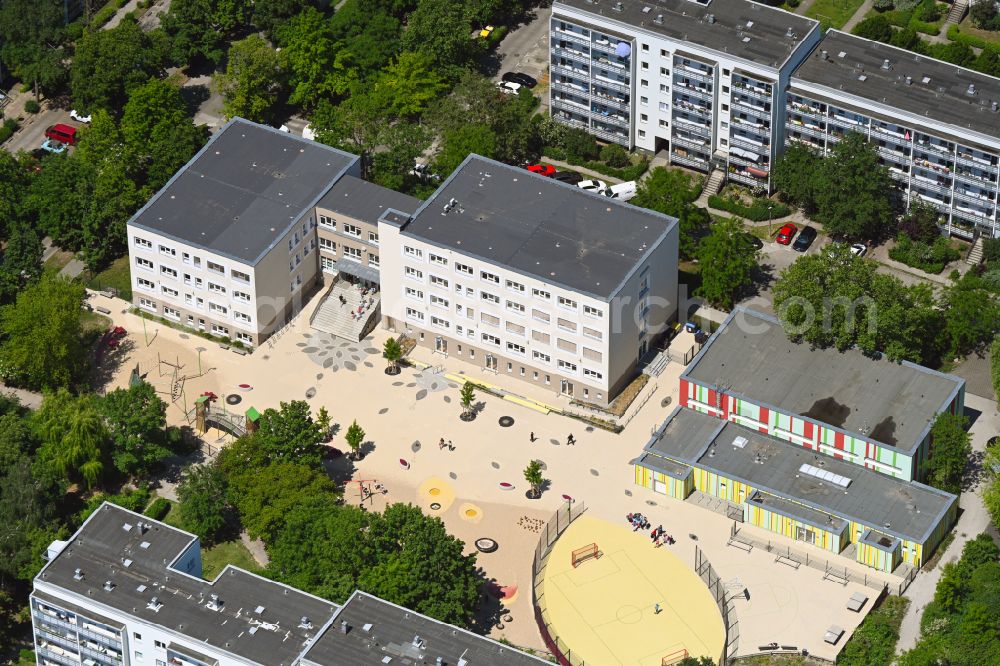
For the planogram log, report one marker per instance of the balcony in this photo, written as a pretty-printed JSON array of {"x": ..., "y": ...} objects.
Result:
[
  {"x": 980, "y": 177},
  {"x": 894, "y": 155},
  {"x": 688, "y": 87},
  {"x": 570, "y": 70},
  {"x": 810, "y": 129},
  {"x": 974, "y": 196},
  {"x": 747, "y": 178},
  {"x": 611, "y": 100},
  {"x": 922, "y": 179},
  {"x": 692, "y": 160},
  {"x": 756, "y": 127},
  {"x": 570, "y": 102},
  {"x": 691, "y": 126},
  {"x": 691, "y": 141},
  {"x": 815, "y": 144},
  {"x": 573, "y": 36},
  {"x": 807, "y": 109},
  {"x": 614, "y": 84},
  {"x": 920, "y": 160},
  {"x": 691, "y": 107},
  {"x": 846, "y": 121},
  {"x": 565, "y": 118},
  {"x": 940, "y": 202},
  {"x": 750, "y": 105},
  {"x": 616, "y": 136},
  {"x": 746, "y": 143},
  {"x": 611, "y": 62},
  {"x": 565, "y": 52},
  {"x": 893, "y": 134},
  {"x": 899, "y": 175},
  {"x": 753, "y": 91},
  {"x": 705, "y": 75},
  {"x": 978, "y": 162},
  {"x": 926, "y": 143},
  {"x": 570, "y": 85}
]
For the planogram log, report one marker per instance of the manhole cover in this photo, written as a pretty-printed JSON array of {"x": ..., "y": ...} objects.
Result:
[
  {"x": 506, "y": 421},
  {"x": 495, "y": 465},
  {"x": 665, "y": 401},
  {"x": 234, "y": 399},
  {"x": 435, "y": 506}
]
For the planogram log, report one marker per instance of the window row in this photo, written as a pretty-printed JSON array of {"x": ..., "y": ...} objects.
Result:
[{"x": 187, "y": 258}]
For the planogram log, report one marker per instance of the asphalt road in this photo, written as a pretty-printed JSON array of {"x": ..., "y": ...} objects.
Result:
[
  {"x": 32, "y": 132},
  {"x": 526, "y": 49}
]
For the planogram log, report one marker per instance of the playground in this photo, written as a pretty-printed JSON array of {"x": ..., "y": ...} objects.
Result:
[{"x": 628, "y": 602}]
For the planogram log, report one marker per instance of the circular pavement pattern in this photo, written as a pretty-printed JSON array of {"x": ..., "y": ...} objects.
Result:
[
  {"x": 506, "y": 421},
  {"x": 233, "y": 399},
  {"x": 333, "y": 353}
]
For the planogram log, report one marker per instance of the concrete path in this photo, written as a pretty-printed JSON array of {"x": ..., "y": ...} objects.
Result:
[
  {"x": 73, "y": 269},
  {"x": 129, "y": 6},
  {"x": 579, "y": 169},
  {"x": 972, "y": 522},
  {"x": 859, "y": 15},
  {"x": 29, "y": 399},
  {"x": 256, "y": 548}
]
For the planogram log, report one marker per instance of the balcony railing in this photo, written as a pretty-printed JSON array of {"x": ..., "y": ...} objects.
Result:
[
  {"x": 569, "y": 85},
  {"x": 697, "y": 162},
  {"x": 691, "y": 89},
  {"x": 612, "y": 83},
  {"x": 745, "y": 143},
  {"x": 694, "y": 72},
  {"x": 582, "y": 56},
  {"x": 692, "y": 126},
  {"x": 975, "y": 177},
  {"x": 810, "y": 129},
  {"x": 978, "y": 162},
  {"x": 806, "y": 109},
  {"x": 756, "y": 93},
  {"x": 694, "y": 142},
  {"x": 584, "y": 106},
  {"x": 751, "y": 106}
]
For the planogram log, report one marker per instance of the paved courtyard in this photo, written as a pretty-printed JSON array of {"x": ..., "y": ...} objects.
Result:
[{"x": 479, "y": 478}]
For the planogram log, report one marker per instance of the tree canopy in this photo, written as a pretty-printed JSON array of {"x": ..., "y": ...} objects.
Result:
[
  {"x": 203, "y": 502},
  {"x": 136, "y": 420},
  {"x": 728, "y": 259},
  {"x": 950, "y": 449},
  {"x": 252, "y": 81},
  {"x": 673, "y": 192}
]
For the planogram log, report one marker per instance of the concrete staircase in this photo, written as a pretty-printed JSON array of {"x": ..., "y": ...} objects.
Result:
[
  {"x": 334, "y": 317},
  {"x": 975, "y": 256},
  {"x": 714, "y": 184},
  {"x": 957, "y": 11}
]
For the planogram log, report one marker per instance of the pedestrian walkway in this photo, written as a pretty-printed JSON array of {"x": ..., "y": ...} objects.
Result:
[
  {"x": 561, "y": 165},
  {"x": 859, "y": 15}
]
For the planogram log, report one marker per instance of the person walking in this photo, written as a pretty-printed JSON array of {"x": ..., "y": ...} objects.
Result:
[
  {"x": 441, "y": 444},
  {"x": 531, "y": 437},
  {"x": 570, "y": 440}
]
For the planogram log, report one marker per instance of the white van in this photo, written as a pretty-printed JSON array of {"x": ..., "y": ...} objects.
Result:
[{"x": 622, "y": 191}]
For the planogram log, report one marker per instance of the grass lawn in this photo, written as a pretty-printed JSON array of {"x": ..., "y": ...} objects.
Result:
[
  {"x": 92, "y": 321},
  {"x": 215, "y": 559},
  {"x": 173, "y": 517},
  {"x": 833, "y": 13},
  {"x": 116, "y": 275},
  {"x": 967, "y": 28},
  {"x": 58, "y": 260}
]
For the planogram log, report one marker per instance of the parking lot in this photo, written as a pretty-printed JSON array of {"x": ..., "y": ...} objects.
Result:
[{"x": 526, "y": 49}]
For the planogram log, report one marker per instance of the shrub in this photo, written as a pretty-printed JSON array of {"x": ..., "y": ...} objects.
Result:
[
  {"x": 580, "y": 145},
  {"x": 991, "y": 250},
  {"x": 793, "y": 3},
  {"x": 883, "y": 5},
  {"x": 928, "y": 11},
  {"x": 31, "y": 106},
  {"x": 7, "y": 129},
  {"x": 928, "y": 257},
  {"x": 133, "y": 500},
  {"x": 158, "y": 509},
  {"x": 956, "y": 35},
  {"x": 984, "y": 14},
  {"x": 614, "y": 156},
  {"x": 757, "y": 211},
  {"x": 497, "y": 35},
  {"x": 876, "y": 28}
]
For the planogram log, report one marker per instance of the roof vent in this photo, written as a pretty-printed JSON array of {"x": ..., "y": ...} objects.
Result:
[
  {"x": 305, "y": 622},
  {"x": 710, "y": 18},
  {"x": 659, "y": 19},
  {"x": 885, "y": 65},
  {"x": 78, "y": 574},
  {"x": 740, "y": 442},
  {"x": 417, "y": 641},
  {"x": 108, "y": 586},
  {"x": 909, "y": 80},
  {"x": 438, "y": 662},
  {"x": 790, "y": 34},
  {"x": 618, "y": 7},
  {"x": 994, "y": 106},
  {"x": 214, "y": 603},
  {"x": 259, "y": 610},
  {"x": 824, "y": 54},
  {"x": 971, "y": 90},
  {"x": 862, "y": 77},
  {"x": 127, "y": 527},
  {"x": 154, "y": 605},
  {"x": 344, "y": 627}
]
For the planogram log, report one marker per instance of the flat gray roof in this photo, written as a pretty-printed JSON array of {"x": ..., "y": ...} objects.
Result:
[
  {"x": 538, "y": 226},
  {"x": 365, "y": 201},
  {"x": 391, "y": 635},
  {"x": 98, "y": 548},
  {"x": 877, "y": 399},
  {"x": 908, "y": 510},
  {"x": 769, "y": 41},
  {"x": 243, "y": 190},
  {"x": 943, "y": 98}
]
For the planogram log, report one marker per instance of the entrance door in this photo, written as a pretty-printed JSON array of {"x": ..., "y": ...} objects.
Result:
[
  {"x": 490, "y": 363},
  {"x": 441, "y": 345},
  {"x": 566, "y": 388},
  {"x": 659, "y": 487},
  {"x": 805, "y": 534}
]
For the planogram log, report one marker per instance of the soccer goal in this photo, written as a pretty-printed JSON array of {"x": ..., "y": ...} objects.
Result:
[
  {"x": 585, "y": 553},
  {"x": 674, "y": 657}
]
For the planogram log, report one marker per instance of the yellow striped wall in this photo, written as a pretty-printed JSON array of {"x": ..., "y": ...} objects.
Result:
[
  {"x": 877, "y": 558},
  {"x": 720, "y": 486},
  {"x": 785, "y": 526},
  {"x": 674, "y": 487}
]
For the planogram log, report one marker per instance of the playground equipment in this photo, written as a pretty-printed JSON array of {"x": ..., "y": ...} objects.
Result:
[
  {"x": 585, "y": 553},
  {"x": 674, "y": 657}
]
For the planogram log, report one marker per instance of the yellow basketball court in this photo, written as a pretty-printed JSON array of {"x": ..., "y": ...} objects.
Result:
[{"x": 604, "y": 609}]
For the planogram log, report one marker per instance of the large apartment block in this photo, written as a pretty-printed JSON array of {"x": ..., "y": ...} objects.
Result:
[
  {"x": 703, "y": 80},
  {"x": 532, "y": 278},
  {"x": 936, "y": 125},
  {"x": 229, "y": 245},
  {"x": 128, "y": 591}
]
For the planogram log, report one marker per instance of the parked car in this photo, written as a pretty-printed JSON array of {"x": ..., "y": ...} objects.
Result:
[
  {"x": 859, "y": 249},
  {"x": 805, "y": 239},
  {"x": 520, "y": 77},
  {"x": 593, "y": 185},
  {"x": 757, "y": 243},
  {"x": 485, "y": 32},
  {"x": 571, "y": 177},
  {"x": 509, "y": 88},
  {"x": 62, "y": 133},
  {"x": 786, "y": 233},
  {"x": 77, "y": 116},
  {"x": 53, "y": 146},
  {"x": 541, "y": 169},
  {"x": 622, "y": 191}
]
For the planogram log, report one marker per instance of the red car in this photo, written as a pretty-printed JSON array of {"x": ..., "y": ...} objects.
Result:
[
  {"x": 542, "y": 169},
  {"x": 786, "y": 234}
]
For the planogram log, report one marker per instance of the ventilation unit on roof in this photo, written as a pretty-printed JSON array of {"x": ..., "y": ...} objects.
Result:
[
  {"x": 824, "y": 54},
  {"x": 306, "y": 623},
  {"x": 618, "y": 7},
  {"x": 214, "y": 603},
  {"x": 108, "y": 586},
  {"x": 710, "y": 18},
  {"x": 971, "y": 90},
  {"x": 886, "y": 65},
  {"x": 740, "y": 442},
  {"x": 824, "y": 475},
  {"x": 154, "y": 605},
  {"x": 78, "y": 574},
  {"x": 909, "y": 80},
  {"x": 417, "y": 641},
  {"x": 790, "y": 34},
  {"x": 659, "y": 19}
]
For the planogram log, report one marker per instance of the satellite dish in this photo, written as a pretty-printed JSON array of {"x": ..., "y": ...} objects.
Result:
[{"x": 623, "y": 50}]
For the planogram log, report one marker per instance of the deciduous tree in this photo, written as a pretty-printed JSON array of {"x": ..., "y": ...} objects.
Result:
[
  {"x": 203, "y": 502},
  {"x": 854, "y": 199},
  {"x": 265, "y": 496},
  {"x": 727, "y": 259},
  {"x": 355, "y": 437},
  {"x": 795, "y": 176},
  {"x": 253, "y": 79},
  {"x": 290, "y": 434},
  {"x": 108, "y": 63},
  {"x": 950, "y": 449},
  {"x": 136, "y": 420},
  {"x": 459, "y": 143},
  {"x": 74, "y": 437}
]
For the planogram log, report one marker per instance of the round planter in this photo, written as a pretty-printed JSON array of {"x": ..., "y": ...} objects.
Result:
[
  {"x": 486, "y": 545},
  {"x": 468, "y": 416},
  {"x": 392, "y": 372}
]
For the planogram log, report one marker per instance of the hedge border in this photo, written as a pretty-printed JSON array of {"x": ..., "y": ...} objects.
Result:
[{"x": 757, "y": 212}]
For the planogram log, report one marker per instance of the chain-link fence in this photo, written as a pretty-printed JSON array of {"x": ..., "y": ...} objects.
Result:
[
  {"x": 556, "y": 525},
  {"x": 718, "y": 589}
]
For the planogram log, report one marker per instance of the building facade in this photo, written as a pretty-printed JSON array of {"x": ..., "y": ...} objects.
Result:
[
  {"x": 702, "y": 81},
  {"x": 936, "y": 126},
  {"x": 531, "y": 278}
]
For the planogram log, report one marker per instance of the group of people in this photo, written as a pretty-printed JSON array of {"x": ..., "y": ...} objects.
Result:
[
  {"x": 658, "y": 536},
  {"x": 446, "y": 445},
  {"x": 367, "y": 301},
  {"x": 570, "y": 439}
]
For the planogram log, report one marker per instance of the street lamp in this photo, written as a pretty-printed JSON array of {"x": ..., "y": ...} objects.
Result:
[{"x": 769, "y": 207}]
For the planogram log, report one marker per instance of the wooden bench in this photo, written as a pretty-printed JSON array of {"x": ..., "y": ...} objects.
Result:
[{"x": 102, "y": 310}]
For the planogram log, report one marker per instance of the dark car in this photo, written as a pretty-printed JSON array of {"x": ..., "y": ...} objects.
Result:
[
  {"x": 805, "y": 239},
  {"x": 757, "y": 243},
  {"x": 520, "y": 77},
  {"x": 570, "y": 177}
]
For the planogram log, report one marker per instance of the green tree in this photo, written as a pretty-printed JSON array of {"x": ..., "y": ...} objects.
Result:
[
  {"x": 199, "y": 29},
  {"x": 950, "y": 450},
  {"x": 467, "y": 395},
  {"x": 203, "y": 502},
  {"x": 728, "y": 260},
  {"x": 368, "y": 32},
  {"x": 393, "y": 351},
  {"x": 400, "y": 144},
  {"x": 58, "y": 194},
  {"x": 984, "y": 14},
  {"x": 876, "y": 28},
  {"x": 270, "y": 15},
  {"x": 921, "y": 222},
  {"x": 265, "y": 496},
  {"x": 995, "y": 366},
  {"x": 317, "y": 69},
  {"x": 29, "y": 505},
  {"x": 30, "y": 36},
  {"x": 533, "y": 475},
  {"x": 42, "y": 345},
  {"x": 794, "y": 176},
  {"x": 14, "y": 180},
  {"x": 74, "y": 438},
  {"x": 855, "y": 200},
  {"x": 136, "y": 421},
  {"x": 290, "y": 434},
  {"x": 971, "y": 313},
  {"x": 459, "y": 143},
  {"x": 951, "y": 587},
  {"x": 409, "y": 84},
  {"x": 109, "y": 63},
  {"x": 323, "y": 422},
  {"x": 252, "y": 82},
  {"x": 22, "y": 258},
  {"x": 355, "y": 437},
  {"x": 673, "y": 192},
  {"x": 441, "y": 29}
]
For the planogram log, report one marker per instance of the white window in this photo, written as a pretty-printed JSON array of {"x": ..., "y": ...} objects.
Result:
[
  {"x": 416, "y": 315},
  {"x": 414, "y": 293},
  {"x": 160, "y": 644},
  {"x": 212, "y": 266},
  {"x": 539, "y": 293},
  {"x": 539, "y": 356},
  {"x": 439, "y": 281},
  {"x": 489, "y": 277},
  {"x": 167, "y": 270},
  {"x": 567, "y": 303},
  {"x": 241, "y": 296},
  {"x": 215, "y": 307},
  {"x": 216, "y": 288},
  {"x": 515, "y": 328},
  {"x": 539, "y": 336},
  {"x": 189, "y": 299},
  {"x": 438, "y": 259},
  {"x": 592, "y": 333},
  {"x": 437, "y": 321},
  {"x": 167, "y": 291},
  {"x": 462, "y": 268},
  {"x": 566, "y": 365},
  {"x": 592, "y": 311},
  {"x": 168, "y": 251},
  {"x": 327, "y": 244},
  {"x": 566, "y": 324},
  {"x": 592, "y": 354},
  {"x": 516, "y": 286},
  {"x": 491, "y": 339},
  {"x": 143, "y": 243},
  {"x": 373, "y": 238},
  {"x": 489, "y": 319},
  {"x": 492, "y": 298},
  {"x": 291, "y": 244},
  {"x": 413, "y": 273},
  {"x": 220, "y": 330},
  {"x": 329, "y": 265},
  {"x": 415, "y": 252},
  {"x": 352, "y": 230},
  {"x": 199, "y": 283},
  {"x": 187, "y": 278},
  {"x": 240, "y": 275},
  {"x": 593, "y": 374},
  {"x": 438, "y": 301},
  {"x": 515, "y": 348},
  {"x": 240, "y": 316},
  {"x": 515, "y": 307},
  {"x": 539, "y": 315},
  {"x": 147, "y": 304},
  {"x": 642, "y": 133},
  {"x": 566, "y": 345},
  {"x": 171, "y": 313},
  {"x": 373, "y": 260},
  {"x": 244, "y": 337},
  {"x": 327, "y": 222},
  {"x": 352, "y": 252},
  {"x": 143, "y": 283}
]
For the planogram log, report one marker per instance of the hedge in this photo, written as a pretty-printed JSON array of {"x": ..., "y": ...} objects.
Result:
[
  {"x": 756, "y": 212},
  {"x": 158, "y": 509},
  {"x": 627, "y": 173},
  {"x": 928, "y": 257},
  {"x": 104, "y": 14},
  {"x": 7, "y": 129},
  {"x": 956, "y": 35}
]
